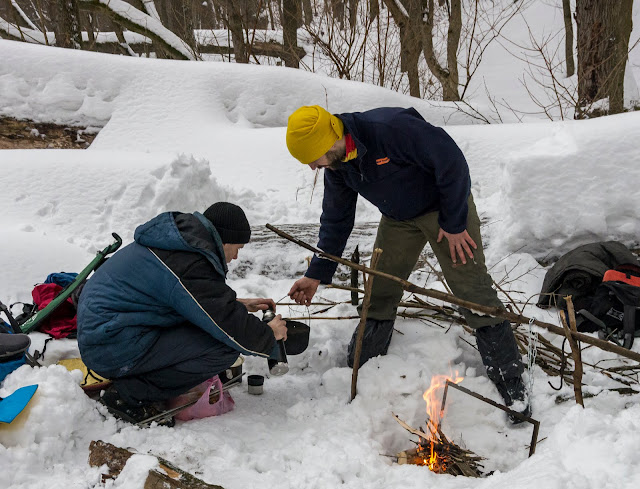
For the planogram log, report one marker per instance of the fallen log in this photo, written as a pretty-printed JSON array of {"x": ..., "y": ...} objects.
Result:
[{"x": 168, "y": 476}]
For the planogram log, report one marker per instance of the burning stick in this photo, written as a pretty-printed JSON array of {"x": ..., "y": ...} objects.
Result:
[
  {"x": 439, "y": 454},
  {"x": 434, "y": 449}
]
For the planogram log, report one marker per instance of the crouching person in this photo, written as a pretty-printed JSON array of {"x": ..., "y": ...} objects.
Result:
[{"x": 158, "y": 319}]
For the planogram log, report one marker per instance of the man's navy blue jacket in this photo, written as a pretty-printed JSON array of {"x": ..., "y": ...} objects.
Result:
[
  {"x": 174, "y": 273},
  {"x": 405, "y": 167}
]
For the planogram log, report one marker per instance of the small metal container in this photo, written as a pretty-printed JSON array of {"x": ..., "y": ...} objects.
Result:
[{"x": 255, "y": 384}]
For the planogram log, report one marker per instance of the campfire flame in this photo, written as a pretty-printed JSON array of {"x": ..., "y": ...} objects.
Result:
[{"x": 433, "y": 398}]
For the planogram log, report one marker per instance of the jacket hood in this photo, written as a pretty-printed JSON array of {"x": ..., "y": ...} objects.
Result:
[{"x": 175, "y": 231}]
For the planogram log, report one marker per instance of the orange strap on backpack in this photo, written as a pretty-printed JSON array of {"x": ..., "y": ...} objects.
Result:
[{"x": 622, "y": 276}]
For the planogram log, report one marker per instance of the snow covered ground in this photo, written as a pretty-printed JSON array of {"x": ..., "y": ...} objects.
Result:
[{"x": 179, "y": 136}]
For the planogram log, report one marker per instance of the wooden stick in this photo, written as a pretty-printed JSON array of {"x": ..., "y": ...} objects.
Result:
[
  {"x": 344, "y": 287},
  {"x": 477, "y": 308},
  {"x": 440, "y": 276},
  {"x": 575, "y": 349},
  {"x": 363, "y": 320},
  {"x": 419, "y": 433},
  {"x": 522, "y": 417},
  {"x": 328, "y": 318},
  {"x": 355, "y": 258}
]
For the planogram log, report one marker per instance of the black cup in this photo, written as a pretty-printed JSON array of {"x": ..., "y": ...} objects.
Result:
[{"x": 255, "y": 384}]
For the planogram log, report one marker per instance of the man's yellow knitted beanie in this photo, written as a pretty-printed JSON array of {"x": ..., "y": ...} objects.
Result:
[{"x": 311, "y": 132}]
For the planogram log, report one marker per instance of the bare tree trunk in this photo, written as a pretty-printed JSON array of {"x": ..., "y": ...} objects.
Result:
[
  {"x": 407, "y": 14},
  {"x": 272, "y": 22},
  {"x": 450, "y": 86},
  {"x": 90, "y": 31},
  {"x": 374, "y": 9},
  {"x": 604, "y": 28},
  {"x": 67, "y": 24},
  {"x": 353, "y": 13},
  {"x": 337, "y": 9},
  {"x": 307, "y": 10},
  {"x": 233, "y": 20},
  {"x": 216, "y": 14},
  {"x": 568, "y": 39},
  {"x": 290, "y": 12},
  {"x": 447, "y": 76},
  {"x": 409, "y": 57},
  {"x": 177, "y": 16}
]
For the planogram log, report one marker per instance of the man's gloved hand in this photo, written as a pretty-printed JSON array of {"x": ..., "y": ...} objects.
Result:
[{"x": 303, "y": 290}]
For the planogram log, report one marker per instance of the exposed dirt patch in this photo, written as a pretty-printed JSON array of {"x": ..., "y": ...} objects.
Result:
[{"x": 17, "y": 134}]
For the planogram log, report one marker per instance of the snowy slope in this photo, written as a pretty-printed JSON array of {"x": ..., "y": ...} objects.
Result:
[{"x": 180, "y": 136}]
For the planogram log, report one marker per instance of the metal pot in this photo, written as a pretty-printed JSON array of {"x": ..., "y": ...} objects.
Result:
[{"x": 297, "y": 337}]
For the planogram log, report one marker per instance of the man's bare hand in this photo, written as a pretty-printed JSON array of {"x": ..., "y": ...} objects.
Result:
[
  {"x": 279, "y": 327},
  {"x": 303, "y": 290},
  {"x": 458, "y": 245},
  {"x": 255, "y": 305}
]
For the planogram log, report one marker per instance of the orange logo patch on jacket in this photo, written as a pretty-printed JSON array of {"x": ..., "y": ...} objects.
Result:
[{"x": 382, "y": 161}]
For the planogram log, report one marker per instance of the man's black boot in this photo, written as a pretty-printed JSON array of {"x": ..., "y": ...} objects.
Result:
[
  {"x": 515, "y": 396},
  {"x": 130, "y": 413},
  {"x": 376, "y": 339},
  {"x": 499, "y": 352}
]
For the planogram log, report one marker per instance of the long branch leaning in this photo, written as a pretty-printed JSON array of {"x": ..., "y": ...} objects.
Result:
[{"x": 477, "y": 308}]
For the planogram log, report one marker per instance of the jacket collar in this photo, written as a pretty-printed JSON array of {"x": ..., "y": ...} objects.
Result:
[
  {"x": 349, "y": 127},
  {"x": 176, "y": 231}
]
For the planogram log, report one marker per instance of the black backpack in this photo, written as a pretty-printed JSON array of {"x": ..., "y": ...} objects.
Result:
[{"x": 614, "y": 311}]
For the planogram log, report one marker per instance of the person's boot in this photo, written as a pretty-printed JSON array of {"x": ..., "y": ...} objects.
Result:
[
  {"x": 499, "y": 352},
  {"x": 515, "y": 396},
  {"x": 376, "y": 339},
  {"x": 130, "y": 413},
  {"x": 13, "y": 346}
]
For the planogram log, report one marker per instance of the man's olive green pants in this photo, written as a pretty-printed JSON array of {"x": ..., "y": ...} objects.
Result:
[{"x": 403, "y": 241}]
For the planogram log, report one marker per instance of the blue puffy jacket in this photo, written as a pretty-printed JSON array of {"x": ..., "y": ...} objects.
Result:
[
  {"x": 405, "y": 167},
  {"x": 173, "y": 273}
]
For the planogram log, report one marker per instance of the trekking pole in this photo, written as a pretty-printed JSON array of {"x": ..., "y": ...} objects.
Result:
[{"x": 33, "y": 322}]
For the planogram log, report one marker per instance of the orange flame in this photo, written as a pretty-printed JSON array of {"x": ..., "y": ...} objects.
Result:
[{"x": 433, "y": 398}]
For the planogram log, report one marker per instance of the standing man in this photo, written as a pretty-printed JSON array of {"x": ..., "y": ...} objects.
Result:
[
  {"x": 158, "y": 318},
  {"x": 418, "y": 178}
]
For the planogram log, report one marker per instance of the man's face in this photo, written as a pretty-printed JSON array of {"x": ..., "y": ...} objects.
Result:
[
  {"x": 332, "y": 159},
  {"x": 231, "y": 251}
]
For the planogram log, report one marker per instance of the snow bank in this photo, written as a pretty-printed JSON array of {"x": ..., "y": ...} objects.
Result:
[
  {"x": 548, "y": 188},
  {"x": 85, "y": 196},
  {"x": 96, "y": 86}
]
